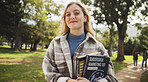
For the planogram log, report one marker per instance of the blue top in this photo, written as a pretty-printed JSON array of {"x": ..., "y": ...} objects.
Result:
[{"x": 74, "y": 41}]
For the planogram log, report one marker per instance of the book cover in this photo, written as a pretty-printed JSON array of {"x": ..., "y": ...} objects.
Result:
[{"x": 94, "y": 66}]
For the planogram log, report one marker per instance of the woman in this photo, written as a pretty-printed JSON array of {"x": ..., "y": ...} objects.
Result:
[
  {"x": 135, "y": 57},
  {"x": 59, "y": 64},
  {"x": 145, "y": 57}
]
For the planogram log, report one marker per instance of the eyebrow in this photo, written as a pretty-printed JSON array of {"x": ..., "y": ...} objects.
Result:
[{"x": 74, "y": 10}]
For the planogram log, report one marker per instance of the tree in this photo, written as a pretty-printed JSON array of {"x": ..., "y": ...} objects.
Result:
[
  {"x": 129, "y": 45},
  {"x": 106, "y": 39},
  {"x": 110, "y": 26},
  {"x": 143, "y": 37},
  {"x": 41, "y": 12},
  {"x": 117, "y": 11},
  {"x": 12, "y": 13}
]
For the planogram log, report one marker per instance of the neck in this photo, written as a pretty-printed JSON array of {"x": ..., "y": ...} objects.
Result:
[{"x": 76, "y": 32}]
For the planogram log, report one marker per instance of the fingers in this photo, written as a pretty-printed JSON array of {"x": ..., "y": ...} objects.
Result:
[
  {"x": 82, "y": 79},
  {"x": 71, "y": 80}
]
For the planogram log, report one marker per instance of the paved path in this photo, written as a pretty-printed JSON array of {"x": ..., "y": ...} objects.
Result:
[{"x": 130, "y": 74}]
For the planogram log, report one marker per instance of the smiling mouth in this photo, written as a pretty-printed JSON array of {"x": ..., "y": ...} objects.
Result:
[{"x": 73, "y": 21}]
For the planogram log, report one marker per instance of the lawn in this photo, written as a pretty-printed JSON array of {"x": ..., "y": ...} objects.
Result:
[
  {"x": 120, "y": 65},
  {"x": 144, "y": 77},
  {"x": 27, "y": 66},
  {"x": 21, "y": 66}
]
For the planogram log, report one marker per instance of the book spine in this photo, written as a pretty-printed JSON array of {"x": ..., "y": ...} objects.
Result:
[
  {"x": 81, "y": 67},
  {"x": 85, "y": 66},
  {"x": 77, "y": 66}
]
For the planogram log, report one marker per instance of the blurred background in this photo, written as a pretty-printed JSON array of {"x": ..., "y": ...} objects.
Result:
[{"x": 28, "y": 26}]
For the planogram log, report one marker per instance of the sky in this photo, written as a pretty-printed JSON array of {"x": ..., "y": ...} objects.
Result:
[{"x": 131, "y": 30}]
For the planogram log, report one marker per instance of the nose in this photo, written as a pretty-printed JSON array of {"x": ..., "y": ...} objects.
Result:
[{"x": 72, "y": 16}]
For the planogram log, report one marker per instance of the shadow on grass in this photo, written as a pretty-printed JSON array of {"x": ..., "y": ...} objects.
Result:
[
  {"x": 6, "y": 50},
  {"x": 7, "y": 53},
  {"x": 119, "y": 65},
  {"x": 144, "y": 77},
  {"x": 18, "y": 66},
  {"x": 21, "y": 72}
]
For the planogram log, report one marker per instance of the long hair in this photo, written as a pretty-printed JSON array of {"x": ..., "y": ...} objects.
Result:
[{"x": 87, "y": 27}]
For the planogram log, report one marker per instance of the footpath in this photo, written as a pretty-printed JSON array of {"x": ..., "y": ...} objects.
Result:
[{"x": 130, "y": 74}]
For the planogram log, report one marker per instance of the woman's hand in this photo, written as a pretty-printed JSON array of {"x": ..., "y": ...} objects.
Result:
[
  {"x": 82, "y": 79},
  {"x": 79, "y": 79},
  {"x": 71, "y": 80}
]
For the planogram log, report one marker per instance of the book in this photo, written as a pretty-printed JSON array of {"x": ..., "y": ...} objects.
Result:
[{"x": 92, "y": 66}]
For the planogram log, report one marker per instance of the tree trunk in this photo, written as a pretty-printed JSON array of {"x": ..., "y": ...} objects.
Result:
[
  {"x": 17, "y": 38},
  {"x": 31, "y": 46},
  {"x": 11, "y": 44},
  {"x": 111, "y": 43},
  {"x": 35, "y": 44},
  {"x": 120, "y": 56},
  {"x": 43, "y": 44},
  {"x": 25, "y": 46},
  {"x": 121, "y": 33},
  {"x": 1, "y": 41}
]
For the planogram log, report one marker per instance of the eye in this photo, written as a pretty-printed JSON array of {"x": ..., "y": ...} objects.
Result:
[
  {"x": 67, "y": 15},
  {"x": 76, "y": 13}
]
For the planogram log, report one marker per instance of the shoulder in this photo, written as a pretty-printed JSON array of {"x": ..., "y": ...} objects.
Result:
[
  {"x": 61, "y": 37},
  {"x": 93, "y": 39},
  {"x": 90, "y": 37},
  {"x": 56, "y": 38},
  {"x": 98, "y": 45}
]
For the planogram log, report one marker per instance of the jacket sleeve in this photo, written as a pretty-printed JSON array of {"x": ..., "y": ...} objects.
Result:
[
  {"x": 50, "y": 68},
  {"x": 110, "y": 72}
]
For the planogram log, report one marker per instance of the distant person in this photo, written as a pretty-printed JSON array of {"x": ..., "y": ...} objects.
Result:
[
  {"x": 145, "y": 57},
  {"x": 135, "y": 57},
  {"x": 76, "y": 38}
]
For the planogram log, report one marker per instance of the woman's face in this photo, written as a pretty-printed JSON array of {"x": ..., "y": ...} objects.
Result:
[{"x": 75, "y": 18}]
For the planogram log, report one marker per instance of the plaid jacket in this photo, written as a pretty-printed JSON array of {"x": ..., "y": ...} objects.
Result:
[{"x": 58, "y": 65}]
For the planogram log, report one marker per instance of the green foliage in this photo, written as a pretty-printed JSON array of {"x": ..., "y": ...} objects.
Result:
[
  {"x": 15, "y": 15},
  {"x": 88, "y": 2},
  {"x": 41, "y": 12},
  {"x": 143, "y": 37},
  {"x": 113, "y": 11},
  {"x": 105, "y": 40},
  {"x": 116, "y": 11},
  {"x": 10, "y": 15},
  {"x": 12, "y": 12},
  {"x": 130, "y": 45}
]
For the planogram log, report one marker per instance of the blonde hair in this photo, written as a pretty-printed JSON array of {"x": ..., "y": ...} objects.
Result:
[{"x": 87, "y": 27}]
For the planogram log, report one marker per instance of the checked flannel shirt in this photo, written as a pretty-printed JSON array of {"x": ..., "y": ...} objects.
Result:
[{"x": 58, "y": 66}]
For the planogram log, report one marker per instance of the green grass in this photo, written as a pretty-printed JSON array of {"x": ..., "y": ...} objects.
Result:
[
  {"x": 120, "y": 65},
  {"x": 21, "y": 66},
  {"x": 27, "y": 66},
  {"x": 144, "y": 77}
]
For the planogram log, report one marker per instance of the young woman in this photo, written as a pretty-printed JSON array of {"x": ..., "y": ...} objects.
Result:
[
  {"x": 145, "y": 57},
  {"x": 135, "y": 56},
  {"x": 59, "y": 64}
]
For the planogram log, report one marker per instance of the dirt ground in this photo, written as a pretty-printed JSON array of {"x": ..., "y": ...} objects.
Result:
[{"x": 130, "y": 74}]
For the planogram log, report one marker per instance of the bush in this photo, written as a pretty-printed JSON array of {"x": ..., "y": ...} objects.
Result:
[{"x": 128, "y": 47}]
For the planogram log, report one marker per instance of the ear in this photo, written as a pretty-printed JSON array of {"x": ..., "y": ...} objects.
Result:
[{"x": 85, "y": 18}]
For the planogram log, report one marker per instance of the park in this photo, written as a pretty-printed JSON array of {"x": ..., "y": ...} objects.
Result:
[{"x": 28, "y": 26}]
